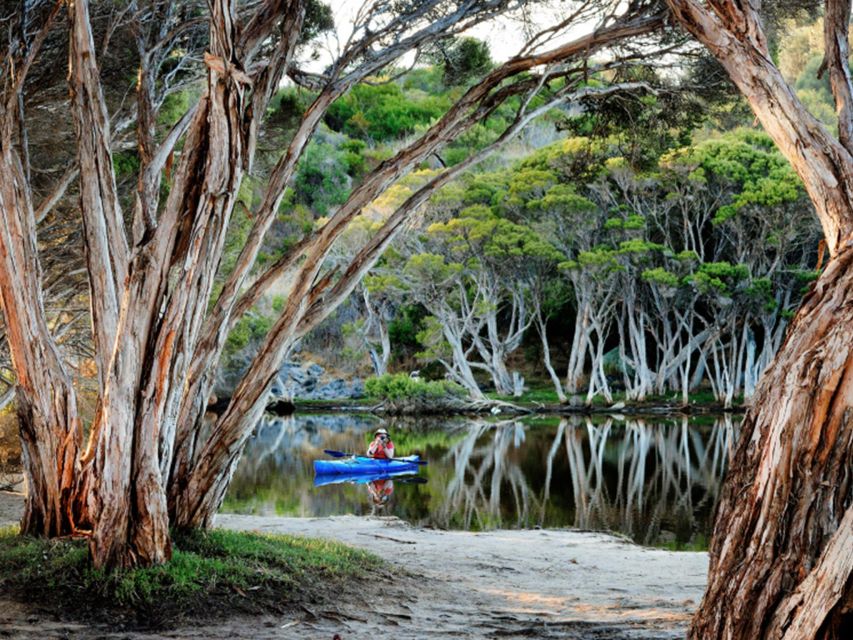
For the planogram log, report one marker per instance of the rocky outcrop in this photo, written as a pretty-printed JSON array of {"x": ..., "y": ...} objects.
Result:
[{"x": 309, "y": 381}]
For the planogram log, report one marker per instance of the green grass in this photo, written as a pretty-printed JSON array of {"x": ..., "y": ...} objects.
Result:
[
  {"x": 547, "y": 395},
  {"x": 544, "y": 395},
  {"x": 211, "y": 574},
  {"x": 696, "y": 543}
]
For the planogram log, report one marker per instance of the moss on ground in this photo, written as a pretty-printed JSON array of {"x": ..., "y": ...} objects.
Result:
[{"x": 211, "y": 575}]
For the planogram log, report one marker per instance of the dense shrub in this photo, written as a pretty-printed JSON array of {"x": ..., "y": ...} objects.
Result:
[
  {"x": 384, "y": 112},
  {"x": 399, "y": 387}
]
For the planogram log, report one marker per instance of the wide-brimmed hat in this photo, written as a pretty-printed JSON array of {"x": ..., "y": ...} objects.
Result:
[{"x": 381, "y": 430}]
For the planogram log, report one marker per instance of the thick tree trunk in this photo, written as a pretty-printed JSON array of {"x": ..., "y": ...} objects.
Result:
[
  {"x": 170, "y": 279},
  {"x": 782, "y": 517},
  {"x": 785, "y": 513}
]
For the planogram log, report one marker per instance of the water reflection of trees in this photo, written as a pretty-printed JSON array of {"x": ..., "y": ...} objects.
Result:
[{"x": 629, "y": 476}]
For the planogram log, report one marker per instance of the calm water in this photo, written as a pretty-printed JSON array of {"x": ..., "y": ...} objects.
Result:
[{"x": 657, "y": 482}]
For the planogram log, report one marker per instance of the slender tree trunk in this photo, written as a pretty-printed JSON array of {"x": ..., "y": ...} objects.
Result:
[
  {"x": 577, "y": 354},
  {"x": 47, "y": 408},
  {"x": 542, "y": 329}
]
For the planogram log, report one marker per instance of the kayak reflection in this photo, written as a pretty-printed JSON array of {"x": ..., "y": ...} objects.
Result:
[{"x": 362, "y": 478}]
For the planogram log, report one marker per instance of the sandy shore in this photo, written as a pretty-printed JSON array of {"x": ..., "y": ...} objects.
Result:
[
  {"x": 500, "y": 584},
  {"x": 11, "y": 507}
]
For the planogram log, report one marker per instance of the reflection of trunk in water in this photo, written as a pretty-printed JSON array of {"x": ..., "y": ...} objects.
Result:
[
  {"x": 657, "y": 470},
  {"x": 549, "y": 469},
  {"x": 466, "y": 497},
  {"x": 680, "y": 461},
  {"x": 285, "y": 426}
]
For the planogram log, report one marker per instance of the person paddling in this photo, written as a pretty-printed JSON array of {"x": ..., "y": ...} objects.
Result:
[{"x": 381, "y": 447}]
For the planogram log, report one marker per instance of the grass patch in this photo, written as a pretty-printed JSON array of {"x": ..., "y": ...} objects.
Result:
[
  {"x": 543, "y": 395},
  {"x": 547, "y": 395},
  {"x": 211, "y": 575},
  {"x": 697, "y": 543}
]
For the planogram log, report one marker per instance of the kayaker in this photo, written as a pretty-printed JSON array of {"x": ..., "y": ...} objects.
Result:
[{"x": 381, "y": 447}]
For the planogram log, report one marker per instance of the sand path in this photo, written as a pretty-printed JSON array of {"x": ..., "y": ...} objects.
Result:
[{"x": 500, "y": 584}]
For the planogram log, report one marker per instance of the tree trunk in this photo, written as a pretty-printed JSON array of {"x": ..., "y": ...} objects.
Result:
[
  {"x": 47, "y": 408},
  {"x": 542, "y": 328},
  {"x": 50, "y": 438},
  {"x": 779, "y": 523},
  {"x": 790, "y": 485}
]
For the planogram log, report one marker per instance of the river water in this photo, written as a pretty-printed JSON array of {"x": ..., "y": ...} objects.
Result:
[{"x": 655, "y": 481}]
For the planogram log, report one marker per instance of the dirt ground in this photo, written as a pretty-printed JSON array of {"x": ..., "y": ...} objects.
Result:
[{"x": 453, "y": 584}]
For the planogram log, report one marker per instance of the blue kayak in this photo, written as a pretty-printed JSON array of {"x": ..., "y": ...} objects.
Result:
[
  {"x": 359, "y": 478},
  {"x": 358, "y": 465}
]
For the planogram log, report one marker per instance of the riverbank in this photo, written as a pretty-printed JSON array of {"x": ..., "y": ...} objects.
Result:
[
  {"x": 517, "y": 407},
  {"x": 507, "y": 584}
]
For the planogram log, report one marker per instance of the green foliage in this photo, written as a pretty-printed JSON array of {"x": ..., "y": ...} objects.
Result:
[
  {"x": 288, "y": 107},
  {"x": 400, "y": 387},
  {"x": 719, "y": 277},
  {"x": 640, "y": 124},
  {"x": 125, "y": 163},
  {"x": 353, "y": 157},
  {"x": 174, "y": 107},
  {"x": 383, "y": 112},
  {"x": 382, "y": 283},
  {"x": 403, "y": 329},
  {"x": 661, "y": 276},
  {"x": 250, "y": 328},
  {"x": 565, "y": 199},
  {"x": 633, "y": 222},
  {"x": 638, "y": 248},
  {"x": 463, "y": 60},
  {"x": 477, "y": 233},
  {"x": 758, "y": 175},
  {"x": 318, "y": 19},
  {"x": 321, "y": 179},
  {"x": 577, "y": 160},
  {"x": 760, "y": 293},
  {"x": 432, "y": 268}
]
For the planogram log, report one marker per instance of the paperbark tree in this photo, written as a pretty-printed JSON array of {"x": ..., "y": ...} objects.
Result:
[
  {"x": 151, "y": 462},
  {"x": 777, "y": 565}
]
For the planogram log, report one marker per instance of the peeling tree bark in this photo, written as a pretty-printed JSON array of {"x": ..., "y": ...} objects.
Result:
[
  {"x": 47, "y": 407},
  {"x": 790, "y": 484},
  {"x": 106, "y": 245},
  {"x": 777, "y": 565}
]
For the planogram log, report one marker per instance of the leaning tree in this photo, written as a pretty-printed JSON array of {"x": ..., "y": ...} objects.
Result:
[
  {"x": 782, "y": 550},
  {"x": 150, "y": 459}
]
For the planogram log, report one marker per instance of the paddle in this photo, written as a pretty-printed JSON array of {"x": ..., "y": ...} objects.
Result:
[{"x": 341, "y": 454}]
